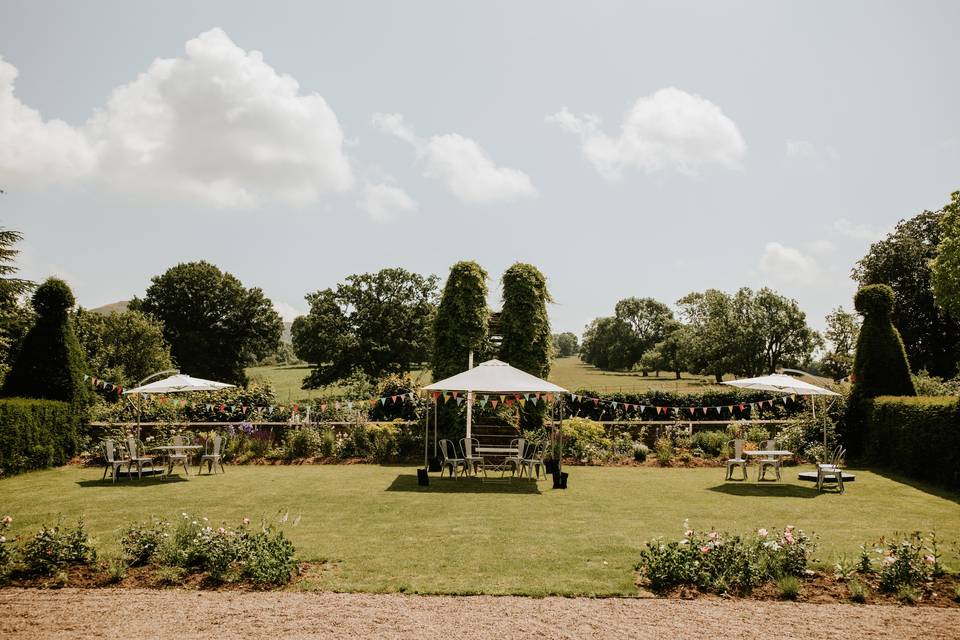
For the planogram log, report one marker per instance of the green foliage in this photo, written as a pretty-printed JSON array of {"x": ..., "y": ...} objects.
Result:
[
  {"x": 53, "y": 548},
  {"x": 649, "y": 322},
  {"x": 461, "y": 321},
  {"x": 843, "y": 328},
  {"x": 927, "y": 385},
  {"x": 804, "y": 436},
  {"x": 670, "y": 354},
  {"x": 584, "y": 439},
  {"x": 711, "y": 443},
  {"x": 945, "y": 268},
  {"x": 139, "y": 542},
  {"x": 880, "y": 366},
  {"x": 214, "y": 325},
  {"x": 6, "y": 549},
  {"x": 36, "y": 433},
  {"x": 640, "y": 452},
  {"x": 713, "y": 396},
  {"x": 788, "y": 586},
  {"x": 565, "y": 345},
  {"x": 525, "y": 329},
  {"x": 664, "y": 450},
  {"x": 302, "y": 442},
  {"x": 15, "y": 318},
  {"x": 721, "y": 562},
  {"x": 375, "y": 323},
  {"x": 123, "y": 347},
  {"x": 10, "y": 287},
  {"x": 857, "y": 590},
  {"x": 606, "y": 344},
  {"x": 267, "y": 557},
  {"x": 906, "y": 562},
  {"x": 930, "y": 335},
  {"x": 917, "y": 436},
  {"x": 50, "y": 363}
]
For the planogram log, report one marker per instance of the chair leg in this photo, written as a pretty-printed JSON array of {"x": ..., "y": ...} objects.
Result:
[{"x": 222, "y": 469}]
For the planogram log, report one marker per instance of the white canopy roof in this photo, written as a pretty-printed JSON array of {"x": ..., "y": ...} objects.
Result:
[
  {"x": 179, "y": 382},
  {"x": 784, "y": 383},
  {"x": 495, "y": 376}
]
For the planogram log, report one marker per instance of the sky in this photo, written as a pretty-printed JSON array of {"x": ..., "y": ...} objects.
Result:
[{"x": 624, "y": 148}]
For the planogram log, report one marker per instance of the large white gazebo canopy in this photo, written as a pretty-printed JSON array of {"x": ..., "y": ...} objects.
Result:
[{"x": 492, "y": 376}]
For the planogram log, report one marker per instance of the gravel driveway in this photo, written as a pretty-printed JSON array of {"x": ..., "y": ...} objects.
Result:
[{"x": 131, "y": 613}]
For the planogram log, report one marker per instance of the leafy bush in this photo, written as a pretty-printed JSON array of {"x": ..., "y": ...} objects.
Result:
[
  {"x": 640, "y": 451},
  {"x": 907, "y": 563},
  {"x": 139, "y": 542},
  {"x": 266, "y": 557},
  {"x": 916, "y": 436},
  {"x": 858, "y": 590},
  {"x": 36, "y": 433},
  {"x": 260, "y": 443},
  {"x": 328, "y": 444},
  {"x": 6, "y": 555},
  {"x": 880, "y": 366},
  {"x": 664, "y": 450},
  {"x": 720, "y": 562},
  {"x": 585, "y": 439},
  {"x": 53, "y": 548},
  {"x": 383, "y": 442},
  {"x": 804, "y": 436},
  {"x": 302, "y": 442},
  {"x": 711, "y": 443},
  {"x": 789, "y": 587}
]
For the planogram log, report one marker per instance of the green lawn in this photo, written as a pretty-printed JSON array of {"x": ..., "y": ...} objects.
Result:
[
  {"x": 570, "y": 373},
  {"x": 384, "y": 533}
]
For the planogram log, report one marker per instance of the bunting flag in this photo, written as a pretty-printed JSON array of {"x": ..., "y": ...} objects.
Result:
[{"x": 100, "y": 383}]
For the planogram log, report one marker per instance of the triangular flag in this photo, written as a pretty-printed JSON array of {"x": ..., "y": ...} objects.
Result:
[
  {"x": 323, "y": 407},
  {"x": 494, "y": 403}
]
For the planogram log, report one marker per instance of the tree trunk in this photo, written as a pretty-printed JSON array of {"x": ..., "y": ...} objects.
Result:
[
  {"x": 678, "y": 374},
  {"x": 719, "y": 377}
]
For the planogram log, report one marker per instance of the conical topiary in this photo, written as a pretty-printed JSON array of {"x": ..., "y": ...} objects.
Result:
[
  {"x": 880, "y": 366},
  {"x": 51, "y": 363}
]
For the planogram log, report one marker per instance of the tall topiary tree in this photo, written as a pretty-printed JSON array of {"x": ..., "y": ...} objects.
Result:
[
  {"x": 50, "y": 363},
  {"x": 461, "y": 321},
  {"x": 880, "y": 366},
  {"x": 525, "y": 326}
]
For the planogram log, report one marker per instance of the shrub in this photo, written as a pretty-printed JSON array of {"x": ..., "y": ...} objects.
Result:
[
  {"x": 328, "y": 444},
  {"x": 53, "y": 548},
  {"x": 585, "y": 439},
  {"x": 140, "y": 542},
  {"x": 302, "y": 442},
  {"x": 713, "y": 561},
  {"x": 858, "y": 591},
  {"x": 908, "y": 594},
  {"x": 6, "y": 555},
  {"x": 50, "y": 363},
  {"x": 711, "y": 443},
  {"x": 906, "y": 563},
  {"x": 789, "y": 587},
  {"x": 116, "y": 567},
  {"x": 266, "y": 557},
  {"x": 36, "y": 433},
  {"x": 383, "y": 442},
  {"x": 804, "y": 435},
  {"x": 260, "y": 443},
  {"x": 640, "y": 451},
  {"x": 757, "y": 434},
  {"x": 664, "y": 450},
  {"x": 915, "y": 436}
]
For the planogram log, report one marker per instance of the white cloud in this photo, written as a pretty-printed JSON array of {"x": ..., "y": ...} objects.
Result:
[
  {"x": 461, "y": 164},
  {"x": 383, "y": 201},
  {"x": 34, "y": 151},
  {"x": 219, "y": 125},
  {"x": 788, "y": 264},
  {"x": 801, "y": 149},
  {"x": 287, "y": 311},
  {"x": 671, "y": 131},
  {"x": 858, "y": 231}
]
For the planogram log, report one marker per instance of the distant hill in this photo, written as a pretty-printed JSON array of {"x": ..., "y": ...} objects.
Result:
[
  {"x": 123, "y": 304},
  {"x": 107, "y": 309}
]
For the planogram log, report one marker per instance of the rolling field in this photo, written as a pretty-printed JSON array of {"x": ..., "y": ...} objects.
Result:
[{"x": 570, "y": 373}]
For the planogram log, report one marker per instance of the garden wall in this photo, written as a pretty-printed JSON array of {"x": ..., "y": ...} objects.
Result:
[
  {"x": 36, "y": 433},
  {"x": 916, "y": 436}
]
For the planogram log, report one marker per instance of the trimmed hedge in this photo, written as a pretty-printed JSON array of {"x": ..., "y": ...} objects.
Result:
[
  {"x": 916, "y": 436},
  {"x": 36, "y": 433}
]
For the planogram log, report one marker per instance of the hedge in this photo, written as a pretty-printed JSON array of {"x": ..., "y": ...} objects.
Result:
[
  {"x": 916, "y": 436},
  {"x": 36, "y": 433}
]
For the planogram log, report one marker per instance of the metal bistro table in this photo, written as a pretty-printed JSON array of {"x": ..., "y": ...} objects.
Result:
[
  {"x": 773, "y": 453},
  {"x": 166, "y": 448},
  {"x": 504, "y": 453}
]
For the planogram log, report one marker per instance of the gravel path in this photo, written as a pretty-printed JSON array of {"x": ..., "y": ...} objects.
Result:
[{"x": 131, "y": 613}]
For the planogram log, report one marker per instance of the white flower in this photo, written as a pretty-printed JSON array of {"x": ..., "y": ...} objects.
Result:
[
  {"x": 3, "y": 539},
  {"x": 184, "y": 514},
  {"x": 246, "y": 521},
  {"x": 684, "y": 541},
  {"x": 762, "y": 533}
]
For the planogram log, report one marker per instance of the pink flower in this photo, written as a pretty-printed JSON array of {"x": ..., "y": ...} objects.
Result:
[
  {"x": 713, "y": 535},
  {"x": 688, "y": 533},
  {"x": 789, "y": 527},
  {"x": 762, "y": 533},
  {"x": 704, "y": 549},
  {"x": 246, "y": 521},
  {"x": 221, "y": 530},
  {"x": 930, "y": 560},
  {"x": 7, "y": 519}
]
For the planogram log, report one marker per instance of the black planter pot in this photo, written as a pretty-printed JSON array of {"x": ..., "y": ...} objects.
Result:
[
  {"x": 434, "y": 465},
  {"x": 551, "y": 466},
  {"x": 422, "y": 478},
  {"x": 563, "y": 480},
  {"x": 558, "y": 479}
]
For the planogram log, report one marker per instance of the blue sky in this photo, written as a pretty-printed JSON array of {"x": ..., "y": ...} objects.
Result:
[{"x": 646, "y": 149}]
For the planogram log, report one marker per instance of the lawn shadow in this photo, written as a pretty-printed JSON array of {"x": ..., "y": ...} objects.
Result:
[
  {"x": 919, "y": 485},
  {"x": 765, "y": 490},
  {"x": 406, "y": 482},
  {"x": 123, "y": 481}
]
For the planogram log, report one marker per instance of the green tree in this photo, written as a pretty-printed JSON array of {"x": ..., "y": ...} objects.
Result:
[
  {"x": 525, "y": 325},
  {"x": 648, "y": 320},
  {"x": 214, "y": 325},
  {"x": 785, "y": 338},
  {"x": 50, "y": 363},
  {"x": 374, "y": 323},
  {"x": 123, "y": 347},
  {"x": 461, "y": 322},
  {"x": 608, "y": 344},
  {"x": 709, "y": 317},
  {"x": 880, "y": 366},
  {"x": 10, "y": 287},
  {"x": 843, "y": 327},
  {"x": 945, "y": 269},
  {"x": 671, "y": 353},
  {"x": 15, "y": 318},
  {"x": 902, "y": 260},
  {"x": 565, "y": 345}
]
